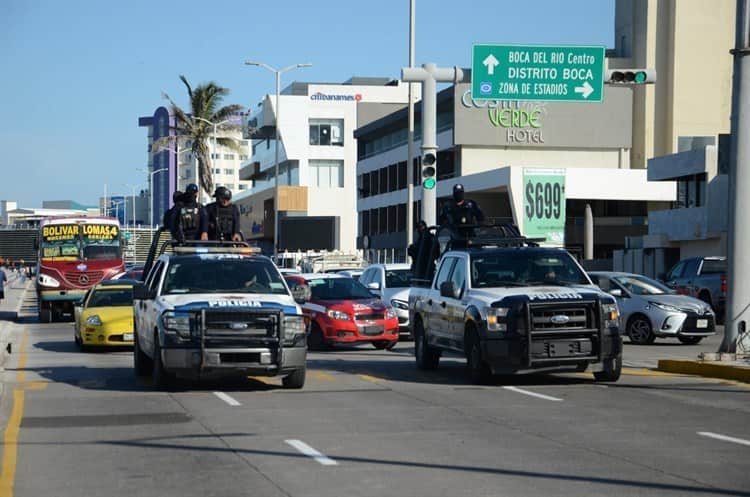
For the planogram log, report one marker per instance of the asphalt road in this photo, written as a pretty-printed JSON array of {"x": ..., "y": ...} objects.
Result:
[{"x": 366, "y": 424}]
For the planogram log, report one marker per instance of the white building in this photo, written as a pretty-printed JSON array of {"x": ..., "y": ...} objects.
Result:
[
  {"x": 317, "y": 162},
  {"x": 498, "y": 150}
]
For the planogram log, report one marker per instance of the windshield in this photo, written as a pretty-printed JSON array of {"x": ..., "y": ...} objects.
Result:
[
  {"x": 338, "y": 289},
  {"x": 525, "y": 268},
  {"x": 86, "y": 241},
  {"x": 641, "y": 285},
  {"x": 397, "y": 278},
  {"x": 120, "y": 297},
  {"x": 223, "y": 275}
]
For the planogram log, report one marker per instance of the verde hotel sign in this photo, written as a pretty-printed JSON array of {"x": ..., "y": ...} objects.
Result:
[{"x": 521, "y": 121}]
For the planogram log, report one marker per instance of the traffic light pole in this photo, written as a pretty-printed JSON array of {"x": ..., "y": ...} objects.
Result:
[
  {"x": 429, "y": 75},
  {"x": 738, "y": 268}
]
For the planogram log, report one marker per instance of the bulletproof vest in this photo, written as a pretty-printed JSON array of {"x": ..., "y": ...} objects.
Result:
[
  {"x": 189, "y": 217},
  {"x": 224, "y": 220},
  {"x": 464, "y": 214}
]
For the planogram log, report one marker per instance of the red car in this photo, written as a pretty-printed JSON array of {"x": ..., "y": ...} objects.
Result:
[{"x": 342, "y": 310}]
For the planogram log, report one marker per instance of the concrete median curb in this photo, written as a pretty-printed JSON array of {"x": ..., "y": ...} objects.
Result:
[{"x": 704, "y": 368}]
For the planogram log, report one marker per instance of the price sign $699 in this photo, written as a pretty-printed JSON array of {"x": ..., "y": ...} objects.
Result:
[{"x": 544, "y": 199}]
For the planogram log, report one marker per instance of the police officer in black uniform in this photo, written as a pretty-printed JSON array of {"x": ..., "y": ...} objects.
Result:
[
  {"x": 167, "y": 219},
  {"x": 461, "y": 211},
  {"x": 223, "y": 218},
  {"x": 188, "y": 218}
]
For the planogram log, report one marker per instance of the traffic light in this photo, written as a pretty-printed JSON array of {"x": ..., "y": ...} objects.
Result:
[
  {"x": 630, "y": 76},
  {"x": 428, "y": 170}
]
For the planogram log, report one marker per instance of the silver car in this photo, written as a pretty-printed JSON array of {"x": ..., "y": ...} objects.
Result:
[{"x": 650, "y": 310}]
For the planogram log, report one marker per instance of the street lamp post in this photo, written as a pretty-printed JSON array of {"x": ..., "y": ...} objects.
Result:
[
  {"x": 278, "y": 73},
  {"x": 151, "y": 193},
  {"x": 133, "y": 188}
]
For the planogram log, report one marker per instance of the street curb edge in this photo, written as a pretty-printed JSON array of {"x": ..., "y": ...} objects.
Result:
[{"x": 710, "y": 370}]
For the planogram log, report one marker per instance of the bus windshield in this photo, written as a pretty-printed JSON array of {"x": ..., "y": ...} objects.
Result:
[{"x": 80, "y": 242}]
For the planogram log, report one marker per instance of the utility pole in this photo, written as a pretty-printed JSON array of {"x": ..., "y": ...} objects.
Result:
[
  {"x": 738, "y": 267},
  {"x": 429, "y": 75}
]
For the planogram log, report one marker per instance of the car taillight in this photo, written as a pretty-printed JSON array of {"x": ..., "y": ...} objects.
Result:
[{"x": 724, "y": 284}]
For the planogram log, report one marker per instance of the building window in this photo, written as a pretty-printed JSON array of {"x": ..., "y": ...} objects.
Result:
[
  {"x": 229, "y": 171},
  {"x": 327, "y": 132},
  {"x": 374, "y": 182},
  {"x": 228, "y": 156},
  {"x": 242, "y": 187},
  {"x": 392, "y": 219},
  {"x": 401, "y": 175},
  {"x": 401, "y": 218},
  {"x": 366, "y": 223},
  {"x": 383, "y": 220},
  {"x": 374, "y": 221},
  {"x": 243, "y": 157},
  {"x": 216, "y": 170},
  {"x": 327, "y": 173},
  {"x": 691, "y": 191},
  {"x": 392, "y": 178},
  {"x": 364, "y": 185},
  {"x": 216, "y": 156},
  {"x": 384, "y": 180}
]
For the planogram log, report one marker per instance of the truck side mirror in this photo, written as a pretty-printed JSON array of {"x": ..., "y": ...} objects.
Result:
[
  {"x": 447, "y": 290},
  {"x": 142, "y": 292},
  {"x": 616, "y": 292}
]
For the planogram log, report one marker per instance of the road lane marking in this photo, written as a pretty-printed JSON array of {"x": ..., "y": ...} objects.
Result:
[
  {"x": 724, "y": 438},
  {"x": 371, "y": 379},
  {"x": 310, "y": 452},
  {"x": 533, "y": 394},
  {"x": 10, "y": 441},
  {"x": 321, "y": 376},
  {"x": 228, "y": 399}
]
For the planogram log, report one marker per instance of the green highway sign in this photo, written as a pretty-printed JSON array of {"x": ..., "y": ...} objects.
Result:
[{"x": 537, "y": 72}]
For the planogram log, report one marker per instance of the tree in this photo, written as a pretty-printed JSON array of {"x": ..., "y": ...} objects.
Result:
[{"x": 205, "y": 101}]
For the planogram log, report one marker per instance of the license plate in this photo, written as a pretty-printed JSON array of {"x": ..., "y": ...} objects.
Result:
[
  {"x": 127, "y": 337},
  {"x": 701, "y": 323}
]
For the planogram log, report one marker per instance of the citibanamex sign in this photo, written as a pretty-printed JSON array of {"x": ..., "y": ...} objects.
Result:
[{"x": 521, "y": 120}]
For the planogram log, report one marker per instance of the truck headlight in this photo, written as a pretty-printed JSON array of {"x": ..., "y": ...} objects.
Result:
[
  {"x": 400, "y": 304},
  {"x": 341, "y": 316},
  {"x": 48, "y": 281},
  {"x": 610, "y": 315},
  {"x": 294, "y": 328},
  {"x": 494, "y": 317},
  {"x": 176, "y": 322},
  {"x": 94, "y": 320}
]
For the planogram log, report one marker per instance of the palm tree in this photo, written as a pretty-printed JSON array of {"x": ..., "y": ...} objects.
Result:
[{"x": 205, "y": 101}]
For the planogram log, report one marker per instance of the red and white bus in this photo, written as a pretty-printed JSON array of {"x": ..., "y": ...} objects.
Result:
[{"x": 74, "y": 254}]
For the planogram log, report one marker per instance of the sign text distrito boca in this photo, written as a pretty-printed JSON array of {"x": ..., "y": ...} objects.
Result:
[
  {"x": 537, "y": 72},
  {"x": 522, "y": 121}
]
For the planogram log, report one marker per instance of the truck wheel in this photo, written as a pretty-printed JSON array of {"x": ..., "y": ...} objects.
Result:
[
  {"x": 141, "y": 362},
  {"x": 612, "y": 370},
  {"x": 690, "y": 340},
  {"x": 161, "y": 378},
  {"x": 479, "y": 371},
  {"x": 295, "y": 380},
  {"x": 427, "y": 357},
  {"x": 639, "y": 330}
]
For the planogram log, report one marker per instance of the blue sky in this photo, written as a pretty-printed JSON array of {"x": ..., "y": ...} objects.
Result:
[{"x": 78, "y": 74}]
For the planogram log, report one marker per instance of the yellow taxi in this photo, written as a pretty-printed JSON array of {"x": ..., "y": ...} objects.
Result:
[{"x": 105, "y": 315}]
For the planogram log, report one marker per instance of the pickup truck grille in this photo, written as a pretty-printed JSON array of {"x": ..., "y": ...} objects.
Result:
[
  {"x": 570, "y": 318},
  {"x": 561, "y": 333},
  {"x": 241, "y": 327}
]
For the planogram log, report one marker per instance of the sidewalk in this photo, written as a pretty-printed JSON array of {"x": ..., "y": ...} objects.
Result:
[{"x": 15, "y": 289}]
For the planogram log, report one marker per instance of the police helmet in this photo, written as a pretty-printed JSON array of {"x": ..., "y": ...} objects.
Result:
[
  {"x": 223, "y": 193},
  {"x": 191, "y": 188},
  {"x": 458, "y": 192}
]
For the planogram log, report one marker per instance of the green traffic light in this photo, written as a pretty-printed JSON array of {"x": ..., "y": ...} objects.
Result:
[
  {"x": 640, "y": 77},
  {"x": 429, "y": 183}
]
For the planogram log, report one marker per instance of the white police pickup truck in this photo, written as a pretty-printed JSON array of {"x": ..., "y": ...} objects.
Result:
[
  {"x": 215, "y": 311},
  {"x": 515, "y": 309}
]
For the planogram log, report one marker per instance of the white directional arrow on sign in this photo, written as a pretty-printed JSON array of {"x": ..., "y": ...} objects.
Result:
[
  {"x": 585, "y": 90},
  {"x": 490, "y": 62}
]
